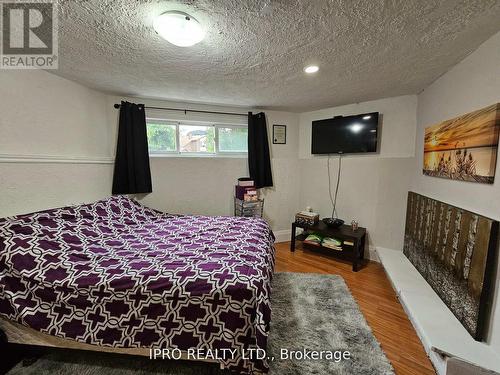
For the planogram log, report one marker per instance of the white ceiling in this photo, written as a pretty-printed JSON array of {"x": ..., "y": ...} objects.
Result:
[{"x": 254, "y": 51}]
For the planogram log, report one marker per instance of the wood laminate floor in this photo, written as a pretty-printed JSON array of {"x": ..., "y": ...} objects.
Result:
[{"x": 376, "y": 299}]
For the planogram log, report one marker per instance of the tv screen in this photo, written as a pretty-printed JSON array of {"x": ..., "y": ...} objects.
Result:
[{"x": 345, "y": 134}]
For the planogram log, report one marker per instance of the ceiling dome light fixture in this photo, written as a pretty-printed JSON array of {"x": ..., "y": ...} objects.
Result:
[
  {"x": 311, "y": 69},
  {"x": 179, "y": 28}
]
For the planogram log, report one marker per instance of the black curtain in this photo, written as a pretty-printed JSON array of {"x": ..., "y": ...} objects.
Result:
[
  {"x": 259, "y": 162},
  {"x": 132, "y": 174}
]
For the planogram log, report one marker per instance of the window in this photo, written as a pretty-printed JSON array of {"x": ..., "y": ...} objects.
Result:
[
  {"x": 162, "y": 137},
  {"x": 184, "y": 138},
  {"x": 233, "y": 139},
  {"x": 197, "y": 138}
]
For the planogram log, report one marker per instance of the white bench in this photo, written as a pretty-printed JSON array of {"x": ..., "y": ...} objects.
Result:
[{"x": 442, "y": 335}]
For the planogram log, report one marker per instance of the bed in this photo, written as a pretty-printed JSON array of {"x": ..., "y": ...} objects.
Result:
[{"x": 117, "y": 276}]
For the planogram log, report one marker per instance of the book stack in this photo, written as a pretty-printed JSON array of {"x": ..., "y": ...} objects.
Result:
[
  {"x": 332, "y": 243},
  {"x": 313, "y": 239},
  {"x": 317, "y": 239},
  {"x": 245, "y": 190},
  {"x": 306, "y": 218}
]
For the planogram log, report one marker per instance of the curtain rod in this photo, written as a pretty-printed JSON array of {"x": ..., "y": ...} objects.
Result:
[{"x": 191, "y": 110}]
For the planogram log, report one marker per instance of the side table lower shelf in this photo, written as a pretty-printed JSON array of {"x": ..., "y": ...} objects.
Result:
[{"x": 353, "y": 242}]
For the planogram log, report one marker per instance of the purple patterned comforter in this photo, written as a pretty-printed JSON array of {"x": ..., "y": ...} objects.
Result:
[{"x": 115, "y": 273}]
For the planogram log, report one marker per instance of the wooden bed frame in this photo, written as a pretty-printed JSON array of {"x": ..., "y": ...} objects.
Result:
[{"x": 18, "y": 334}]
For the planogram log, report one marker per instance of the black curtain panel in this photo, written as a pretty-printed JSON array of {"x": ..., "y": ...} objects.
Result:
[
  {"x": 259, "y": 161},
  {"x": 132, "y": 174}
]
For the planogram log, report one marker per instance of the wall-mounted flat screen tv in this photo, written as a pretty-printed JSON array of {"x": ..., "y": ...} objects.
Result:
[{"x": 345, "y": 134}]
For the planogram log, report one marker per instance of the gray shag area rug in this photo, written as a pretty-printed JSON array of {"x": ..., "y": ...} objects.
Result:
[{"x": 310, "y": 313}]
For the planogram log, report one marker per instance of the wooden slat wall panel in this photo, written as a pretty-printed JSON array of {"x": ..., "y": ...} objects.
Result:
[
  {"x": 414, "y": 218},
  {"x": 417, "y": 216},
  {"x": 428, "y": 224},
  {"x": 441, "y": 232},
  {"x": 409, "y": 214},
  {"x": 436, "y": 228},
  {"x": 470, "y": 246},
  {"x": 462, "y": 244},
  {"x": 421, "y": 223},
  {"x": 450, "y": 247},
  {"x": 479, "y": 256}
]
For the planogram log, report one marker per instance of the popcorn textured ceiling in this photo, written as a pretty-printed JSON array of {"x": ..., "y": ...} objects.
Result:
[{"x": 254, "y": 51}]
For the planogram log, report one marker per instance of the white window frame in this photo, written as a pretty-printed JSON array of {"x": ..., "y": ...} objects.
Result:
[{"x": 178, "y": 153}]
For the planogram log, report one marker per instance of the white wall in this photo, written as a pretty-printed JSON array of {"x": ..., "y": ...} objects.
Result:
[
  {"x": 45, "y": 117},
  {"x": 205, "y": 185},
  {"x": 373, "y": 187},
  {"x": 472, "y": 84}
]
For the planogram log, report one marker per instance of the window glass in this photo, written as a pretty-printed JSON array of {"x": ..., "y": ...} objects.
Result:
[
  {"x": 233, "y": 139},
  {"x": 197, "y": 138},
  {"x": 161, "y": 137}
]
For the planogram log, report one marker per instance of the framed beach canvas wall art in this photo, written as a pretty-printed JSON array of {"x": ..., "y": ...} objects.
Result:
[{"x": 464, "y": 148}]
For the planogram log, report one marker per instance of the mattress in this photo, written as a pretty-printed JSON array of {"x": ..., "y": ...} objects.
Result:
[{"x": 117, "y": 274}]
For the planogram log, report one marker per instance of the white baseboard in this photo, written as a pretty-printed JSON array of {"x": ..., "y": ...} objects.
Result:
[
  {"x": 372, "y": 254},
  {"x": 284, "y": 236}
]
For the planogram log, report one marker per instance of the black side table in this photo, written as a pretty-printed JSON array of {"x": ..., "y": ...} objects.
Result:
[{"x": 353, "y": 242}]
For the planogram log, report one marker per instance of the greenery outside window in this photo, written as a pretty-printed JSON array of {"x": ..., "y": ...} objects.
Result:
[{"x": 162, "y": 138}]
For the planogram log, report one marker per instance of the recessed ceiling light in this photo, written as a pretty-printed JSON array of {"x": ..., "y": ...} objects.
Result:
[
  {"x": 367, "y": 117},
  {"x": 179, "y": 28},
  {"x": 311, "y": 69}
]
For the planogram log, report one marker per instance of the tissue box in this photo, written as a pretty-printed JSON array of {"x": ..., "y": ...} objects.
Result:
[{"x": 306, "y": 218}]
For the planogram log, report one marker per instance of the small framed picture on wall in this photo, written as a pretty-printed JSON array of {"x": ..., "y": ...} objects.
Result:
[{"x": 279, "y": 134}]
